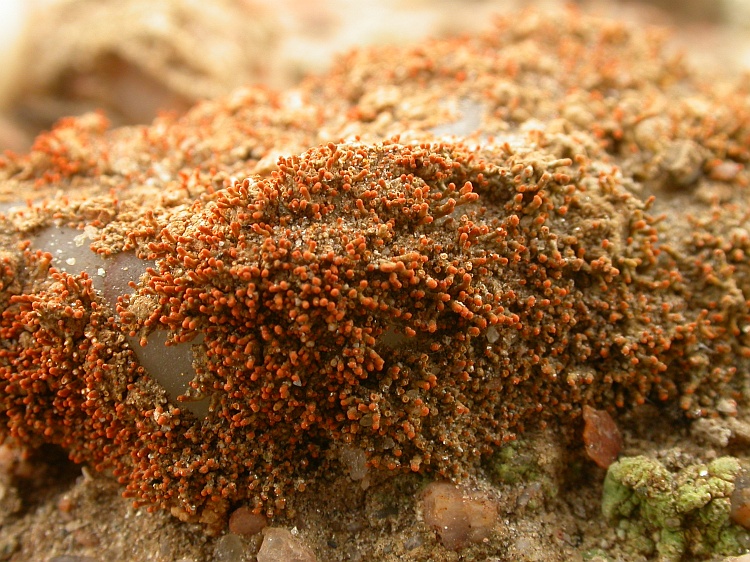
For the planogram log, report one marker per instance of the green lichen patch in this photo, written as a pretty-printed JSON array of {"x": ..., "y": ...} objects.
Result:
[
  {"x": 513, "y": 463},
  {"x": 673, "y": 515}
]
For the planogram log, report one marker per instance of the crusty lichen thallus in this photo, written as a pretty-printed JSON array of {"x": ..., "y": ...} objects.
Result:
[
  {"x": 419, "y": 302},
  {"x": 674, "y": 514}
]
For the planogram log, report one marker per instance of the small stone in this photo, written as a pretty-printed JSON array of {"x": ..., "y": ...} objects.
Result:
[
  {"x": 414, "y": 541},
  {"x": 725, "y": 171},
  {"x": 457, "y": 517},
  {"x": 279, "y": 545},
  {"x": 86, "y": 538},
  {"x": 683, "y": 161},
  {"x": 739, "y": 510},
  {"x": 601, "y": 436},
  {"x": 66, "y": 503},
  {"x": 727, "y": 406},
  {"x": 355, "y": 462},
  {"x": 244, "y": 522},
  {"x": 229, "y": 548},
  {"x": 712, "y": 431}
]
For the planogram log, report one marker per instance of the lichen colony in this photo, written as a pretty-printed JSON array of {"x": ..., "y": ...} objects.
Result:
[{"x": 417, "y": 262}]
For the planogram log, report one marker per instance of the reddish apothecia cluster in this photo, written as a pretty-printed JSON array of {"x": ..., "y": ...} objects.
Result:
[{"x": 420, "y": 302}]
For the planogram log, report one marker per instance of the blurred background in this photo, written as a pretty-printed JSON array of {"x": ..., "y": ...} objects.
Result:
[{"x": 134, "y": 58}]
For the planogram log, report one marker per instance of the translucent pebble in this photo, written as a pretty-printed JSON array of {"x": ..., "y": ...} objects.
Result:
[
  {"x": 601, "y": 436},
  {"x": 171, "y": 366},
  {"x": 457, "y": 517},
  {"x": 118, "y": 272},
  {"x": 355, "y": 461},
  {"x": 492, "y": 334},
  {"x": 229, "y": 548},
  {"x": 70, "y": 250},
  {"x": 279, "y": 545},
  {"x": 244, "y": 522}
]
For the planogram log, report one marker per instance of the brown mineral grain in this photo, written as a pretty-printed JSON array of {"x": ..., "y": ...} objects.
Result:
[
  {"x": 601, "y": 436},
  {"x": 244, "y": 522}
]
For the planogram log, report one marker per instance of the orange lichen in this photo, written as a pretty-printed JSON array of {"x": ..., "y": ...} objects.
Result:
[
  {"x": 66, "y": 152},
  {"x": 418, "y": 300}
]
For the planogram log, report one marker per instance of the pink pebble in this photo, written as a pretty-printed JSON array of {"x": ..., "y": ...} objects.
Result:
[
  {"x": 458, "y": 517},
  {"x": 279, "y": 545},
  {"x": 601, "y": 436},
  {"x": 244, "y": 522}
]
